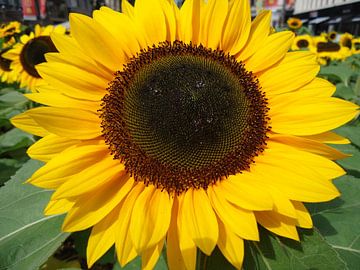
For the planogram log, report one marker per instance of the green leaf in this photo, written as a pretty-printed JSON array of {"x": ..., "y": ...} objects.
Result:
[
  {"x": 343, "y": 91},
  {"x": 8, "y": 167},
  {"x": 277, "y": 253},
  {"x": 136, "y": 263},
  {"x": 338, "y": 220},
  {"x": 351, "y": 132},
  {"x": 341, "y": 72},
  {"x": 14, "y": 139},
  {"x": 27, "y": 237},
  {"x": 12, "y": 98}
]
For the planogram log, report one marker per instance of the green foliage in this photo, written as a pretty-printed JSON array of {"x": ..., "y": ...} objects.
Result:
[{"x": 27, "y": 237}]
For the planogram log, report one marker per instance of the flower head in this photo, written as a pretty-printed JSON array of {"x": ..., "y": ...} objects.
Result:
[
  {"x": 294, "y": 23},
  {"x": 29, "y": 52},
  {"x": 188, "y": 126}
]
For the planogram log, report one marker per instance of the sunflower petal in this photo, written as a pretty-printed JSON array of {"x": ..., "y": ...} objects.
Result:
[
  {"x": 231, "y": 246},
  {"x": 85, "y": 213},
  {"x": 303, "y": 216},
  {"x": 26, "y": 123},
  {"x": 73, "y": 123},
  {"x": 150, "y": 256},
  {"x": 202, "y": 223},
  {"x": 102, "y": 237},
  {"x": 49, "y": 147}
]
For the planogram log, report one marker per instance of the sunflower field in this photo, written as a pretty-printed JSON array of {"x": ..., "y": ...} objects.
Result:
[{"x": 190, "y": 137}]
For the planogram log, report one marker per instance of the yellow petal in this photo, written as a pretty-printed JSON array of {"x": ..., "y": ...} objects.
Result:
[
  {"x": 259, "y": 31},
  {"x": 240, "y": 221},
  {"x": 290, "y": 115},
  {"x": 236, "y": 27},
  {"x": 105, "y": 51},
  {"x": 187, "y": 246},
  {"x": 212, "y": 23},
  {"x": 150, "y": 218},
  {"x": 150, "y": 256},
  {"x": 56, "y": 207},
  {"x": 272, "y": 50},
  {"x": 189, "y": 21},
  {"x": 244, "y": 185},
  {"x": 201, "y": 219},
  {"x": 63, "y": 101},
  {"x": 303, "y": 216},
  {"x": 231, "y": 246},
  {"x": 127, "y": 8},
  {"x": 66, "y": 122},
  {"x": 107, "y": 169},
  {"x": 69, "y": 162},
  {"x": 280, "y": 79},
  {"x": 278, "y": 224},
  {"x": 26, "y": 123},
  {"x": 61, "y": 75},
  {"x": 328, "y": 137},
  {"x": 86, "y": 213},
  {"x": 124, "y": 246},
  {"x": 153, "y": 22},
  {"x": 50, "y": 146},
  {"x": 309, "y": 145},
  {"x": 173, "y": 252},
  {"x": 318, "y": 88},
  {"x": 121, "y": 28},
  {"x": 102, "y": 237}
]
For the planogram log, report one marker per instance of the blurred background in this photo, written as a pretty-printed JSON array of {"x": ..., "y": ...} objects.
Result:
[{"x": 317, "y": 15}]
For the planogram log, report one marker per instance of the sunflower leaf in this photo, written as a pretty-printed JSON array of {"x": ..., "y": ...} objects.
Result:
[
  {"x": 27, "y": 237},
  {"x": 338, "y": 221},
  {"x": 278, "y": 253}
]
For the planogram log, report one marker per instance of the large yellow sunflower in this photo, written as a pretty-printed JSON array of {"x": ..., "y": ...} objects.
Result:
[
  {"x": 302, "y": 42},
  {"x": 6, "y": 73},
  {"x": 29, "y": 52},
  {"x": 187, "y": 126},
  {"x": 294, "y": 23}
]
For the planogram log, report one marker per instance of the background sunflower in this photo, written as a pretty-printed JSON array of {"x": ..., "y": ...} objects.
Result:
[{"x": 29, "y": 52}]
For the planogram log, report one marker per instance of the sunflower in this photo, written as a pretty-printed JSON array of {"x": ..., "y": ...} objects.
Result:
[
  {"x": 345, "y": 40},
  {"x": 332, "y": 35},
  {"x": 302, "y": 42},
  {"x": 9, "y": 29},
  {"x": 355, "y": 47},
  {"x": 332, "y": 51},
  {"x": 188, "y": 126},
  {"x": 6, "y": 73},
  {"x": 294, "y": 23},
  {"x": 29, "y": 52}
]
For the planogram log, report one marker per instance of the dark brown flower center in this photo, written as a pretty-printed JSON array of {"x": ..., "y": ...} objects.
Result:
[
  {"x": 33, "y": 53},
  {"x": 4, "y": 63},
  {"x": 327, "y": 47},
  {"x": 347, "y": 43},
  {"x": 302, "y": 43},
  {"x": 182, "y": 116}
]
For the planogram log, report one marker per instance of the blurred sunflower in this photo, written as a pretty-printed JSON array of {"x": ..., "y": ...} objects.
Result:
[
  {"x": 345, "y": 40},
  {"x": 29, "y": 52},
  {"x": 355, "y": 47},
  {"x": 332, "y": 51},
  {"x": 6, "y": 73},
  {"x": 187, "y": 126},
  {"x": 7, "y": 32},
  {"x": 332, "y": 35},
  {"x": 294, "y": 23},
  {"x": 302, "y": 42}
]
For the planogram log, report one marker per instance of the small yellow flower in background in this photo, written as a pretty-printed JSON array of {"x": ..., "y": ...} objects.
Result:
[
  {"x": 345, "y": 40},
  {"x": 302, "y": 42},
  {"x": 294, "y": 23},
  {"x": 332, "y": 35},
  {"x": 189, "y": 126},
  {"x": 9, "y": 29},
  {"x": 355, "y": 46},
  {"x": 6, "y": 73},
  {"x": 30, "y": 51}
]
